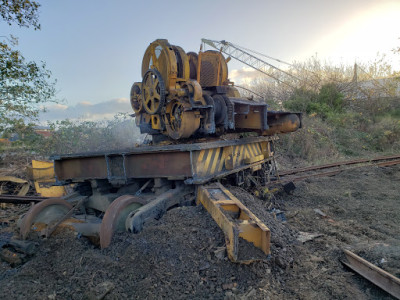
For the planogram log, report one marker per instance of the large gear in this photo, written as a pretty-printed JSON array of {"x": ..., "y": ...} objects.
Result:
[{"x": 153, "y": 92}]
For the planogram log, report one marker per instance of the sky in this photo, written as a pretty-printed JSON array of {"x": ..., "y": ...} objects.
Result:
[{"x": 94, "y": 48}]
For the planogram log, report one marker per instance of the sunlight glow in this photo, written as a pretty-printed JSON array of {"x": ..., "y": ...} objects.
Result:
[{"x": 361, "y": 38}]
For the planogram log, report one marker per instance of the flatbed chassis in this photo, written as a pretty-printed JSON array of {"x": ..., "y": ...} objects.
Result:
[{"x": 132, "y": 186}]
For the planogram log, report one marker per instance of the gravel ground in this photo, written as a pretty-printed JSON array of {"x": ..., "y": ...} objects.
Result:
[{"x": 182, "y": 255}]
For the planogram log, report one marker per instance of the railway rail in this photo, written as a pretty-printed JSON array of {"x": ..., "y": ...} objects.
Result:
[
  {"x": 379, "y": 277},
  {"x": 333, "y": 168},
  {"x": 15, "y": 199}
]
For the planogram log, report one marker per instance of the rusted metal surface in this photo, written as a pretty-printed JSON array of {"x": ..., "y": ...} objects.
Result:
[
  {"x": 377, "y": 276},
  {"x": 238, "y": 223},
  {"x": 157, "y": 207},
  {"x": 15, "y": 199},
  {"x": 115, "y": 216},
  {"x": 388, "y": 163},
  {"x": 338, "y": 164},
  {"x": 193, "y": 162},
  {"x": 94, "y": 167},
  {"x": 170, "y": 164},
  {"x": 53, "y": 227},
  {"x": 285, "y": 176},
  {"x": 45, "y": 211}
]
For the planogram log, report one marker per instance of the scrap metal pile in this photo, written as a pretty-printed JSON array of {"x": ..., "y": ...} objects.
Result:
[{"x": 187, "y": 94}]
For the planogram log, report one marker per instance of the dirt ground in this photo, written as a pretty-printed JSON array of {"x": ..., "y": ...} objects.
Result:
[{"x": 182, "y": 255}]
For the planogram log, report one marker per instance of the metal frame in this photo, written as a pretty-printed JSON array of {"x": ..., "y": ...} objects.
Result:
[{"x": 195, "y": 163}]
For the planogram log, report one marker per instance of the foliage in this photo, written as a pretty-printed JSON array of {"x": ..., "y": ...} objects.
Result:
[
  {"x": 325, "y": 103},
  {"x": 347, "y": 110},
  {"x": 22, "y": 12},
  {"x": 69, "y": 136},
  {"x": 24, "y": 86}
]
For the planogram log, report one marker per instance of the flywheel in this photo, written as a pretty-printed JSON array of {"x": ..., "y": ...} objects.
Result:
[
  {"x": 153, "y": 92},
  {"x": 181, "y": 122}
]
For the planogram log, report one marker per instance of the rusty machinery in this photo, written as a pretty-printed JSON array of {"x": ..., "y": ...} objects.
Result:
[
  {"x": 187, "y": 94},
  {"x": 181, "y": 96}
]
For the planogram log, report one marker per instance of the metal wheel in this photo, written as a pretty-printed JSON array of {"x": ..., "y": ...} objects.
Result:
[
  {"x": 220, "y": 109},
  {"x": 115, "y": 216},
  {"x": 136, "y": 97},
  {"x": 180, "y": 123},
  {"x": 153, "y": 92},
  {"x": 45, "y": 212}
]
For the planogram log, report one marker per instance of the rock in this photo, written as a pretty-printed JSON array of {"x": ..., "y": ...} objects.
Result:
[
  {"x": 280, "y": 262},
  {"x": 220, "y": 253},
  {"x": 14, "y": 259},
  {"x": 228, "y": 286},
  {"x": 100, "y": 291}
]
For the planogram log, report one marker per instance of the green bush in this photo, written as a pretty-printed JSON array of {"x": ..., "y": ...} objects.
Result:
[{"x": 327, "y": 102}]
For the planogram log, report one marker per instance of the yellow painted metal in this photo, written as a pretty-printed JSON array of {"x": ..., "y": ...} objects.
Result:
[
  {"x": 283, "y": 124},
  {"x": 160, "y": 56},
  {"x": 24, "y": 184},
  {"x": 41, "y": 170},
  {"x": 212, "y": 161},
  {"x": 212, "y": 69},
  {"x": 48, "y": 190},
  {"x": 237, "y": 222},
  {"x": 42, "y": 173},
  {"x": 155, "y": 122},
  {"x": 253, "y": 159},
  {"x": 181, "y": 123}
]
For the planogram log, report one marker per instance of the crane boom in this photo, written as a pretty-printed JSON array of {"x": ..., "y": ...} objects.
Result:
[{"x": 246, "y": 58}]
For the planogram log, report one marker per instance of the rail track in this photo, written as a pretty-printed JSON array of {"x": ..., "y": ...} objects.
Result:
[
  {"x": 15, "y": 199},
  {"x": 333, "y": 168}
]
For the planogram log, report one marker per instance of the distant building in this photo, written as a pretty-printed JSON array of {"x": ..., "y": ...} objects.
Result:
[{"x": 43, "y": 131}]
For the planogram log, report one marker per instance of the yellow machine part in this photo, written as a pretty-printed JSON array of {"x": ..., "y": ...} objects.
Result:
[
  {"x": 136, "y": 101},
  {"x": 237, "y": 222},
  {"x": 162, "y": 56},
  {"x": 181, "y": 123},
  {"x": 24, "y": 184},
  {"x": 209, "y": 162},
  {"x": 42, "y": 173},
  {"x": 212, "y": 69}
]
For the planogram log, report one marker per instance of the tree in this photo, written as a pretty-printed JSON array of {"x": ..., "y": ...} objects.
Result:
[
  {"x": 24, "y": 85},
  {"x": 22, "y": 12}
]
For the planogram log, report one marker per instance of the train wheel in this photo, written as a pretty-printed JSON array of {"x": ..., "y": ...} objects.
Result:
[
  {"x": 115, "y": 216},
  {"x": 44, "y": 213}
]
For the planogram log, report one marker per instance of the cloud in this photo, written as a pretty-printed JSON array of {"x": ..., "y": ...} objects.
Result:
[
  {"x": 86, "y": 110},
  {"x": 244, "y": 76}
]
